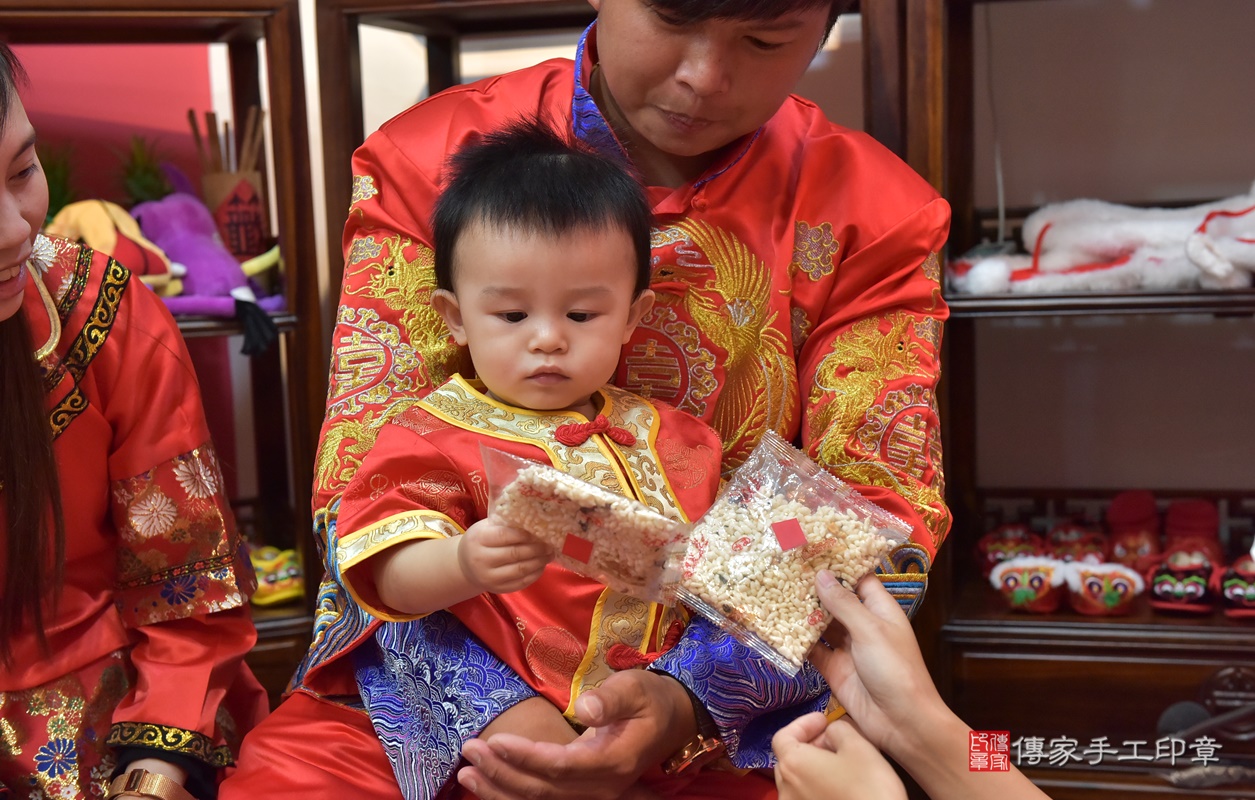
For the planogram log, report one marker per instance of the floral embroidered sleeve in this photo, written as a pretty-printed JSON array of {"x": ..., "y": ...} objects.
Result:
[{"x": 183, "y": 577}]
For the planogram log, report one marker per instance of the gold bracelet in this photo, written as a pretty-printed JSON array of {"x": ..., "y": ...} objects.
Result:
[{"x": 142, "y": 783}]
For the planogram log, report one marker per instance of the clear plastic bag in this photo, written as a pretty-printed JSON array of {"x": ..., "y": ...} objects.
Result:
[
  {"x": 620, "y": 542},
  {"x": 752, "y": 558}
]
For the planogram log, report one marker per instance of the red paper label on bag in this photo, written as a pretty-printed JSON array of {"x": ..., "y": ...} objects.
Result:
[
  {"x": 579, "y": 549},
  {"x": 788, "y": 533}
]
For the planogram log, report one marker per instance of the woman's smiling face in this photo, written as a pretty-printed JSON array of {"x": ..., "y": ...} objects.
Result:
[{"x": 23, "y": 205}]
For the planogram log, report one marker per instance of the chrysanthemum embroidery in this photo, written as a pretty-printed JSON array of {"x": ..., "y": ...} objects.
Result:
[
  {"x": 180, "y": 590},
  {"x": 57, "y": 757},
  {"x": 122, "y": 495},
  {"x": 196, "y": 478},
  {"x": 153, "y": 514}
]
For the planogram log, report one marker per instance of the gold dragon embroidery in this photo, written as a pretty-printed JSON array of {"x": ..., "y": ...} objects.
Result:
[
  {"x": 405, "y": 286},
  {"x": 852, "y": 378},
  {"x": 337, "y": 461},
  {"x": 730, "y": 304}
]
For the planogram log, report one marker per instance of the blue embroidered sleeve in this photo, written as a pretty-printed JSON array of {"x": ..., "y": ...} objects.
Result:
[
  {"x": 747, "y": 697},
  {"x": 429, "y": 686}
]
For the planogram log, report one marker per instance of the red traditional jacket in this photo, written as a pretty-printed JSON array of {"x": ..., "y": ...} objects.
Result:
[
  {"x": 798, "y": 290},
  {"x": 154, "y": 567},
  {"x": 424, "y": 478}
]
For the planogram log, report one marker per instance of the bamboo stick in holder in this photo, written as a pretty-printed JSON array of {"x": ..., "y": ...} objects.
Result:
[{"x": 232, "y": 187}]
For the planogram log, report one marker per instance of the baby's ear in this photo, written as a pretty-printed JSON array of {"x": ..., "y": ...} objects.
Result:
[
  {"x": 446, "y": 304},
  {"x": 640, "y": 307}
]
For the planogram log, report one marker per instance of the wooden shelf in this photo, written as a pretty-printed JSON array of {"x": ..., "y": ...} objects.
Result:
[
  {"x": 1063, "y": 674},
  {"x": 467, "y": 17},
  {"x": 981, "y": 616},
  {"x": 136, "y": 22},
  {"x": 217, "y": 326},
  {"x": 283, "y": 634},
  {"x": 1236, "y": 302},
  {"x": 286, "y": 619},
  {"x": 444, "y": 23},
  {"x": 1105, "y": 781},
  {"x": 1070, "y": 675}
]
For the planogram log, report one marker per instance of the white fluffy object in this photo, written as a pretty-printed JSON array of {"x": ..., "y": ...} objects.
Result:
[{"x": 1156, "y": 249}]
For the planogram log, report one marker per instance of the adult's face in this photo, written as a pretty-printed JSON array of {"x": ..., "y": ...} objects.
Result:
[
  {"x": 687, "y": 89},
  {"x": 23, "y": 205}
]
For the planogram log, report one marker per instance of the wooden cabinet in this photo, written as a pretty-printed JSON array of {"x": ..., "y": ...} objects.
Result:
[
  {"x": 289, "y": 381},
  {"x": 442, "y": 23},
  {"x": 1062, "y": 674}
]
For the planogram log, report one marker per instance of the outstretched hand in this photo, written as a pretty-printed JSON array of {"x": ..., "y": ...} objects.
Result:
[
  {"x": 875, "y": 669},
  {"x": 635, "y": 720}
]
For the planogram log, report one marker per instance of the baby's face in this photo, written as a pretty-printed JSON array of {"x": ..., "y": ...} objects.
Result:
[{"x": 544, "y": 316}]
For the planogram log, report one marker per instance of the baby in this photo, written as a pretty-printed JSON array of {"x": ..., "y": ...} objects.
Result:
[{"x": 542, "y": 263}]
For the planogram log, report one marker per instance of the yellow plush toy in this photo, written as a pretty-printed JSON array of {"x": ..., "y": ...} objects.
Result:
[
  {"x": 107, "y": 227},
  {"x": 279, "y": 578}
]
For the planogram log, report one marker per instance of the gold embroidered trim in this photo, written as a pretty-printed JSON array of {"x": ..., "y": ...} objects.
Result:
[
  {"x": 401, "y": 527},
  {"x": 173, "y": 740},
  {"x": 75, "y": 283},
  {"x": 89, "y": 340},
  {"x": 631, "y": 471},
  {"x": 88, "y": 343},
  {"x": 71, "y": 406}
]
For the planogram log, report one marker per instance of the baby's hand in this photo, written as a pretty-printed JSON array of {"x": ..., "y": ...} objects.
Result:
[{"x": 499, "y": 559}]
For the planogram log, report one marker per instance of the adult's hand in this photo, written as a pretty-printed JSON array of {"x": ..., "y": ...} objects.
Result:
[
  {"x": 833, "y": 761},
  {"x": 875, "y": 668},
  {"x": 635, "y": 720},
  {"x": 877, "y": 673}
]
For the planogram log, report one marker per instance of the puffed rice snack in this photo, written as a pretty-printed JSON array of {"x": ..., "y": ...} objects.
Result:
[
  {"x": 753, "y": 557},
  {"x": 623, "y": 543}
]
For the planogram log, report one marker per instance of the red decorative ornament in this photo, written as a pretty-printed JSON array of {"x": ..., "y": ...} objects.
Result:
[
  {"x": 1004, "y": 542},
  {"x": 574, "y": 434}
]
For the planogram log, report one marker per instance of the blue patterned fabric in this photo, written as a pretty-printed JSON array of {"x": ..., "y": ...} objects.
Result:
[
  {"x": 748, "y": 698},
  {"x": 587, "y": 123},
  {"x": 338, "y": 622},
  {"x": 429, "y": 685}
]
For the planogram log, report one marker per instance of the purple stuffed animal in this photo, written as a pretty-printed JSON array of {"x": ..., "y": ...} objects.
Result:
[{"x": 214, "y": 285}]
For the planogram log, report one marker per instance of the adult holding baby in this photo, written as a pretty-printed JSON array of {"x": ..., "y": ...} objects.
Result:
[{"x": 796, "y": 274}]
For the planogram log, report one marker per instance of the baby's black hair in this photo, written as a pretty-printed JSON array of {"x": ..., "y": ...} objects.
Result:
[{"x": 528, "y": 177}]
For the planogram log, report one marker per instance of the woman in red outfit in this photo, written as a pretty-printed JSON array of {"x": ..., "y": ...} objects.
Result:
[{"x": 123, "y": 586}]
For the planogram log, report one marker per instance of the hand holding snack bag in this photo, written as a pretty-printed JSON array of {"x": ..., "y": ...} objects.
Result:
[
  {"x": 610, "y": 538},
  {"x": 749, "y": 564},
  {"x": 753, "y": 557}
]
